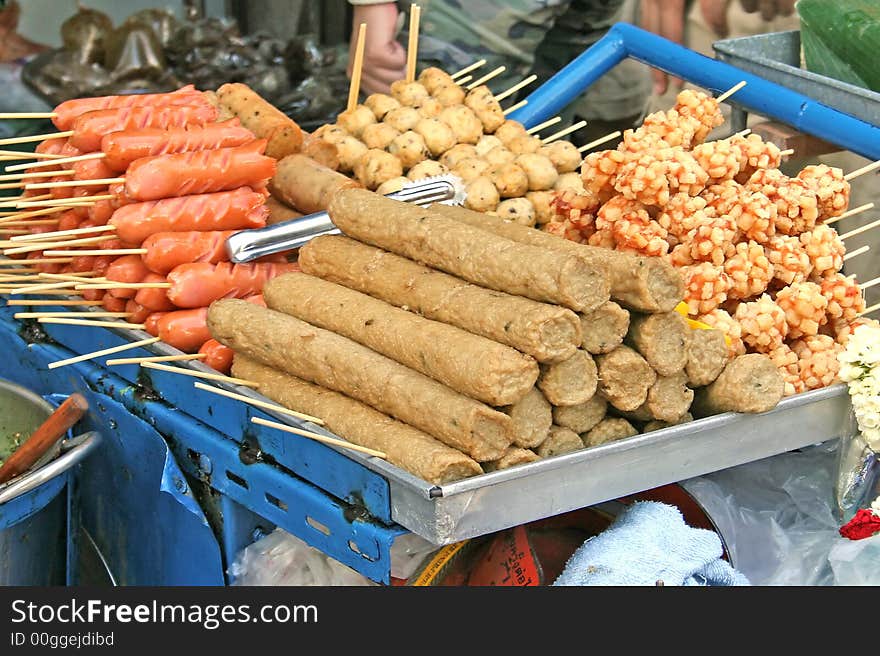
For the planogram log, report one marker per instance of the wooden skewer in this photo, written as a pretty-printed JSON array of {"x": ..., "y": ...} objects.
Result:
[
  {"x": 858, "y": 251},
  {"x": 127, "y": 285},
  {"x": 28, "y": 224},
  {"x": 48, "y": 292},
  {"x": 852, "y": 212},
  {"x": 18, "y": 154},
  {"x": 96, "y": 252},
  {"x": 72, "y": 315},
  {"x": 18, "y": 280},
  {"x": 357, "y": 67},
  {"x": 743, "y": 133},
  {"x": 513, "y": 108},
  {"x": 870, "y": 283},
  {"x": 732, "y": 90},
  {"x": 464, "y": 80},
  {"x": 516, "y": 87},
  {"x": 600, "y": 140},
  {"x": 52, "y": 303},
  {"x": 260, "y": 404},
  {"x": 198, "y": 374},
  {"x": 61, "y": 233},
  {"x": 21, "y": 270},
  {"x": 41, "y": 246},
  {"x": 571, "y": 128},
  {"x": 27, "y": 215},
  {"x": 93, "y": 324},
  {"x": 74, "y": 183},
  {"x": 12, "y": 185},
  {"x": 468, "y": 69},
  {"x": 860, "y": 230},
  {"x": 786, "y": 152},
  {"x": 317, "y": 437},
  {"x": 37, "y": 260},
  {"x": 488, "y": 76},
  {"x": 64, "y": 203},
  {"x": 157, "y": 358},
  {"x": 413, "y": 45},
  {"x": 865, "y": 169},
  {"x": 107, "y": 351},
  {"x": 546, "y": 124},
  {"x": 12, "y": 231},
  {"x": 12, "y": 202},
  {"x": 37, "y": 174},
  {"x": 14, "y": 115},
  {"x": 86, "y": 276},
  {"x": 56, "y": 162},
  {"x": 33, "y": 289},
  {"x": 36, "y": 137},
  {"x": 869, "y": 310}
]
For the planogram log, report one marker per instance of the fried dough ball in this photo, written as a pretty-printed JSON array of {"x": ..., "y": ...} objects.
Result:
[
  {"x": 392, "y": 186},
  {"x": 763, "y": 323},
  {"x": 563, "y": 154},
  {"x": 450, "y": 95},
  {"x": 457, "y": 153},
  {"x": 355, "y": 120},
  {"x": 719, "y": 158},
  {"x": 843, "y": 330},
  {"x": 671, "y": 127},
  {"x": 464, "y": 123},
  {"x": 830, "y": 186},
  {"x": 432, "y": 78},
  {"x": 706, "y": 287},
  {"x": 486, "y": 143},
  {"x": 409, "y": 94},
  {"x": 350, "y": 150},
  {"x": 429, "y": 107},
  {"x": 845, "y": 299},
  {"x": 524, "y": 144},
  {"x": 797, "y": 205},
  {"x": 749, "y": 269},
  {"x": 380, "y": 104},
  {"x": 755, "y": 216},
  {"x": 599, "y": 172},
  {"x": 657, "y": 174},
  {"x": 786, "y": 361},
  {"x": 470, "y": 168},
  {"x": 754, "y": 154},
  {"x": 409, "y": 148},
  {"x": 817, "y": 360},
  {"x": 517, "y": 210},
  {"x": 437, "y": 135},
  {"x": 331, "y": 133},
  {"x": 540, "y": 171},
  {"x": 789, "y": 259},
  {"x": 510, "y": 130},
  {"x": 567, "y": 230},
  {"x": 375, "y": 167},
  {"x": 499, "y": 155},
  {"x": 569, "y": 182},
  {"x": 482, "y": 195},
  {"x": 681, "y": 215},
  {"x": 578, "y": 207},
  {"x": 702, "y": 107},
  {"x": 608, "y": 430},
  {"x": 721, "y": 320},
  {"x": 379, "y": 135},
  {"x": 510, "y": 180},
  {"x": 482, "y": 101},
  {"x": 804, "y": 306},
  {"x": 542, "y": 201},
  {"x": 712, "y": 239},
  {"x": 403, "y": 118},
  {"x": 825, "y": 250},
  {"x": 426, "y": 169}
]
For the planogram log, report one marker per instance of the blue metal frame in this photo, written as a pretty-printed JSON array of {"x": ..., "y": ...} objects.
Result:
[{"x": 759, "y": 95}]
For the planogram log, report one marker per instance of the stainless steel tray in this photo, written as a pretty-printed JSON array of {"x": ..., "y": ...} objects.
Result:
[{"x": 777, "y": 57}]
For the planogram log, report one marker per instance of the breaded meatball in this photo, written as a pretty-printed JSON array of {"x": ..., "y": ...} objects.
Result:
[
  {"x": 542, "y": 201},
  {"x": 375, "y": 167},
  {"x": 499, "y": 155},
  {"x": 517, "y": 210},
  {"x": 354, "y": 121},
  {"x": 563, "y": 154},
  {"x": 457, "y": 153},
  {"x": 524, "y": 144},
  {"x": 380, "y": 104},
  {"x": 432, "y": 78},
  {"x": 330, "y": 132},
  {"x": 409, "y": 94},
  {"x": 510, "y": 180},
  {"x": 510, "y": 130},
  {"x": 482, "y": 196},
  {"x": 403, "y": 118},
  {"x": 426, "y": 169},
  {"x": 482, "y": 101},
  {"x": 539, "y": 169},
  {"x": 350, "y": 150},
  {"x": 569, "y": 181},
  {"x": 392, "y": 185},
  {"x": 486, "y": 143},
  {"x": 430, "y": 107},
  {"x": 437, "y": 135},
  {"x": 608, "y": 430},
  {"x": 470, "y": 168},
  {"x": 464, "y": 123},
  {"x": 379, "y": 135},
  {"x": 409, "y": 148},
  {"x": 449, "y": 94}
]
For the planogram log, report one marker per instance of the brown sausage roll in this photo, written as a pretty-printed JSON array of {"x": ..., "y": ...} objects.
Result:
[
  {"x": 546, "y": 332},
  {"x": 475, "y": 366},
  {"x": 749, "y": 383},
  {"x": 624, "y": 378},
  {"x": 662, "y": 339},
  {"x": 604, "y": 328},
  {"x": 532, "y": 417},
  {"x": 581, "y": 417},
  {"x": 608, "y": 430},
  {"x": 644, "y": 284},
  {"x": 560, "y": 440},
  {"x": 707, "y": 355},
  {"x": 404, "y": 446},
  {"x": 475, "y": 255},
  {"x": 571, "y": 381},
  {"x": 303, "y": 183},
  {"x": 338, "y": 363},
  {"x": 513, "y": 456},
  {"x": 669, "y": 399},
  {"x": 262, "y": 118},
  {"x": 657, "y": 425},
  {"x": 279, "y": 212}
]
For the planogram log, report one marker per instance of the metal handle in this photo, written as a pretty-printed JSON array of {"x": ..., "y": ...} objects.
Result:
[{"x": 75, "y": 451}]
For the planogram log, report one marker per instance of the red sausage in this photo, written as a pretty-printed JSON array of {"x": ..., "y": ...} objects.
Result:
[
  {"x": 199, "y": 284},
  {"x": 90, "y": 128},
  {"x": 201, "y": 172},
  {"x": 166, "y": 250},
  {"x": 155, "y": 299},
  {"x": 113, "y": 304},
  {"x": 128, "y": 268},
  {"x": 256, "y": 299},
  {"x": 151, "y": 323},
  {"x": 67, "y": 112},
  {"x": 83, "y": 263},
  {"x": 124, "y": 147},
  {"x": 217, "y": 356},
  {"x": 68, "y": 221},
  {"x": 228, "y": 210},
  {"x": 136, "y": 313},
  {"x": 100, "y": 212},
  {"x": 91, "y": 169},
  {"x": 102, "y": 263},
  {"x": 185, "y": 329}
]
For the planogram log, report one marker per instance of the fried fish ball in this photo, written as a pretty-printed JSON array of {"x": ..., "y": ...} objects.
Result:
[
  {"x": 350, "y": 150},
  {"x": 482, "y": 195},
  {"x": 449, "y": 95},
  {"x": 570, "y": 182},
  {"x": 510, "y": 130},
  {"x": 539, "y": 170},
  {"x": 499, "y": 155},
  {"x": 524, "y": 144},
  {"x": 483, "y": 103},
  {"x": 403, "y": 118},
  {"x": 542, "y": 201},
  {"x": 454, "y": 155},
  {"x": 409, "y": 94},
  {"x": 375, "y": 167},
  {"x": 608, "y": 430},
  {"x": 429, "y": 107},
  {"x": 331, "y": 133},
  {"x": 437, "y": 135},
  {"x": 564, "y": 155},
  {"x": 510, "y": 180},
  {"x": 464, "y": 123},
  {"x": 486, "y": 143},
  {"x": 380, "y": 104},
  {"x": 426, "y": 169},
  {"x": 355, "y": 120},
  {"x": 433, "y": 78},
  {"x": 470, "y": 168},
  {"x": 379, "y": 135},
  {"x": 517, "y": 210},
  {"x": 409, "y": 148},
  {"x": 391, "y": 186}
]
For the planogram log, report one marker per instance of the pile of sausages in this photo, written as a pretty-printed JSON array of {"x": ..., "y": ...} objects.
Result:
[
  {"x": 196, "y": 168},
  {"x": 459, "y": 344}
]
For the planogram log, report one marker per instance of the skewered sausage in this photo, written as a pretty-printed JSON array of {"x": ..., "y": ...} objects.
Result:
[
  {"x": 156, "y": 299},
  {"x": 166, "y": 250},
  {"x": 68, "y": 111},
  {"x": 198, "y": 284},
  {"x": 186, "y": 330},
  {"x": 217, "y": 356},
  {"x": 128, "y": 268}
]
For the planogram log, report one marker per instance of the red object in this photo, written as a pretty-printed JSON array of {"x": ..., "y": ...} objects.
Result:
[
  {"x": 198, "y": 284},
  {"x": 167, "y": 250},
  {"x": 863, "y": 525},
  {"x": 69, "y": 110},
  {"x": 91, "y": 127}
]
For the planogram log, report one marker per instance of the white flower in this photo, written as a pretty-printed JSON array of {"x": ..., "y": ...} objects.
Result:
[{"x": 850, "y": 372}]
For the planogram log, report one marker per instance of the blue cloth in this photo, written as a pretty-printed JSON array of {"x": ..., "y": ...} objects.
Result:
[{"x": 648, "y": 543}]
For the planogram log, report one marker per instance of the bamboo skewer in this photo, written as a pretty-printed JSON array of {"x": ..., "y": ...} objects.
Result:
[
  {"x": 36, "y": 137},
  {"x": 600, "y": 140},
  {"x": 732, "y": 90},
  {"x": 52, "y": 303},
  {"x": 62, "y": 233},
  {"x": 743, "y": 133},
  {"x": 157, "y": 358},
  {"x": 546, "y": 124},
  {"x": 21, "y": 270},
  {"x": 318, "y": 438},
  {"x": 865, "y": 169},
  {"x": 4, "y": 116},
  {"x": 27, "y": 224},
  {"x": 41, "y": 246},
  {"x": 786, "y": 152},
  {"x": 488, "y": 76},
  {"x": 61, "y": 203},
  {"x": 513, "y": 108},
  {"x": 260, "y": 404},
  {"x": 27, "y": 215},
  {"x": 72, "y": 315},
  {"x": 516, "y": 87},
  {"x": 198, "y": 374},
  {"x": 36, "y": 174},
  {"x": 852, "y": 212},
  {"x": 571, "y": 128},
  {"x": 106, "y": 251},
  {"x": 464, "y": 80},
  {"x": 74, "y": 183},
  {"x": 860, "y": 230},
  {"x": 11, "y": 202},
  {"x": 126, "y": 285},
  {"x": 56, "y": 162},
  {"x": 870, "y": 283},
  {"x": 48, "y": 292},
  {"x": 36, "y": 260},
  {"x": 468, "y": 69},
  {"x": 12, "y": 231},
  {"x": 19, "y": 154},
  {"x": 93, "y": 324},
  {"x": 357, "y": 68},
  {"x": 858, "y": 251},
  {"x": 107, "y": 351},
  {"x": 412, "y": 50},
  {"x": 33, "y": 289},
  {"x": 869, "y": 310},
  {"x": 84, "y": 276}
]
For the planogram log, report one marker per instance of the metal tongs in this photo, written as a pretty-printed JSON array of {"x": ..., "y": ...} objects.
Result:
[{"x": 249, "y": 245}]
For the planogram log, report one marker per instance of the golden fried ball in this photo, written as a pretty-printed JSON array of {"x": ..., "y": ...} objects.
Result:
[
  {"x": 430, "y": 108},
  {"x": 510, "y": 180},
  {"x": 375, "y": 167},
  {"x": 482, "y": 196},
  {"x": 403, "y": 118},
  {"x": 433, "y": 78},
  {"x": 354, "y": 121},
  {"x": 570, "y": 181},
  {"x": 449, "y": 94},
  {"x": 464, "y": 123},
  {"x": 379, "y": 135},
  {"x": 510, "y": 130},
  {"x": 542, "y": 201},
  {"x": 486, "y": 143},
  {"x": 409, "y": 94},
  {"x": 470, "y": 168},
  {"x": 483, "y": 103},
  {"x": 380, "y": 104},
  {"x": 499, "y": 155},
  {"x": 524, "y": 144},
  {"x": 426, "y": 169},
  {"x": 350, "y": 150},
  {"x": 539, "y": 170},
  {"x": 409, "y": 148},
  {"x": 517, "y": 210},
  {"x": 392, "y": 185},
  {"x": 563, "y": 154},
  {"x": 457, "y": 153},
  {"x": 331, "y": 133},
  {"x": 438, "y": 136}
]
